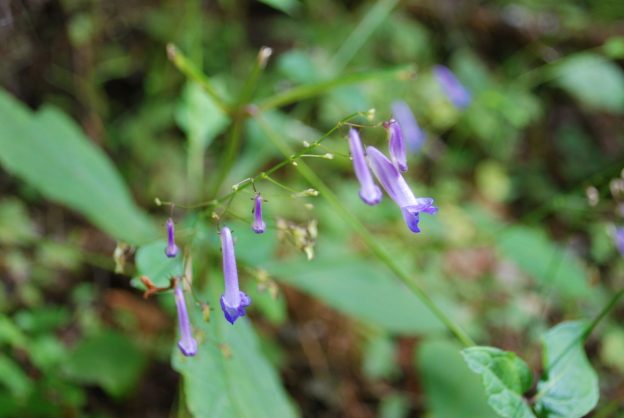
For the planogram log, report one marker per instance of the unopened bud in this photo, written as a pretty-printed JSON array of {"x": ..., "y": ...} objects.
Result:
[{"x": 264, "y": 55}]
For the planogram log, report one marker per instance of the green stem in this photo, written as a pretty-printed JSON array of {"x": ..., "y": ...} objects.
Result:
[
  {"x": 233, "y": 144},
  {"x": 186, "y": 67},
  {"x": 374, "y": 17},
  {"x": 310, "y": 90},
  {"x": 614, "y": 300},
  {"x": 366, "y": 236},
  {"x": 263, "y": 176},
  {"x": 240, "y": 113},
  {"x": 195, "y": 166}
]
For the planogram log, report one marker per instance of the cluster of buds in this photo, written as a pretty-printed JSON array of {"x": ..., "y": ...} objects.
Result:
[{"x": 233, "y": 301}]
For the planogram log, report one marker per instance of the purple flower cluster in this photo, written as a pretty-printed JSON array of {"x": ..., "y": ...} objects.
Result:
[
  {"x": 388, "y": 171},
  {"x": 233, "y": 301},
  {"x": 187, "y": 343},
  {"x": 402, "y": 130}
]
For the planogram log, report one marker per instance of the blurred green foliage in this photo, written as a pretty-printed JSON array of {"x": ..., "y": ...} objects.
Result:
[{"x": 120, "y": 118}]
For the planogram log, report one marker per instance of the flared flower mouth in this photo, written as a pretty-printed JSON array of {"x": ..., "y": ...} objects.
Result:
[
  {"x": 395, "y": 185},
  {"x": 232, "y": 313},
  {"x": 411, "y": 213}
]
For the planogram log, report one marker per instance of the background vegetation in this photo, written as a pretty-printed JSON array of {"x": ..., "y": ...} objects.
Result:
[{"x": 98, "y": 117}]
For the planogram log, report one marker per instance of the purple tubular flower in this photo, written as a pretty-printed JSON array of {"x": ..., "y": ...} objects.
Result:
[
  {"x": 233, "y": 301},
  {"x": 187, "y": 344},
  {"x": 370, "y": 193},
  {"x": 172, "y": 249},
  {"x": 258, "y": 225},
  {"x": 413, "y": 135},
  {"x": 394, "y": 184},
  {"x": 397, "y": 145},
  {"x": 619, "y": 239},
  {"x": 453, "y": 88}
]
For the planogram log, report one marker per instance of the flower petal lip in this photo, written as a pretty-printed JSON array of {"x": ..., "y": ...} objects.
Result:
[
  {"x": 187, "y": 344},
  {"x": 396, "y": 145},
  {"x": 412, "y": 133},
  {"x": 370, "y": 193},
  {"x": 453, "y": 88},
  {"x": 394, "y": 184},
  {"x": 258, "y": 225},
  {"x": 232, "y": 313},
  {"x": 172, "y": 249},
  {"x": 233, "y": 301}
]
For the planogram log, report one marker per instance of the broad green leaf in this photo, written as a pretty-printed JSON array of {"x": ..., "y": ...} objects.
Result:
[
  {"x": 14, "y": 378},
  {"x": 199, "y": 116},
  {"x": 505, "y": 377},
  {"x": 47, "y": 150},
  {"x": 10, "y": 334},
  {"x": 569, "y": 386},
  {"x": 545, "y": 261},
  {"x": 451, "y": 389},
  {"x": 274, "y": 310},
  {"x": 346, "y": 282},
  {"x": 593, "y": 80},
  {"x": 229, "y": 377},
  {"x": 151, "y": 262},
  {"x": 361, "y": 289},
  {"x": 109, "y": 360}
]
